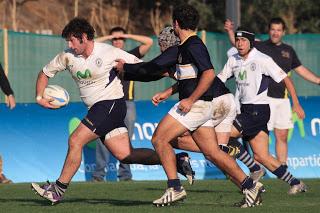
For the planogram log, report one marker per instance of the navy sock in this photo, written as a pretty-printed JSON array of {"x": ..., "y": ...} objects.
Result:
[
  {"x": 244, "y": 156},
  {"x": 62, "y": 187},
  {"x": 247, "y": 183},
  {"x": 283, "y": 174},
  {"x": 175, "y": 183},
  {"x": 224, "y": 148}
]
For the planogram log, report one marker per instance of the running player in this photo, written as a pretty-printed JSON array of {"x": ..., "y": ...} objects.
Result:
[
  {"x": 252, "y": 70},
  {"x": 198, "y": 102},
  {"x": 90, "y": 64}
]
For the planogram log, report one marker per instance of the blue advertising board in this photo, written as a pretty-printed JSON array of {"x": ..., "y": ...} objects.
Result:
[{"x": 34, "y": 143}]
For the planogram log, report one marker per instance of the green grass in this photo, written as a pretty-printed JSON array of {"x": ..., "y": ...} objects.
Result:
[{"x": 204, "y": 196}]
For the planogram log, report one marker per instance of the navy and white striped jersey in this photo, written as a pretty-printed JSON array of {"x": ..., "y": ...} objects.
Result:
[{"x": 193, "y": 59}]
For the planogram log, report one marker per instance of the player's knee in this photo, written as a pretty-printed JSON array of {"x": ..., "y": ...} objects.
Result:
[
  {"x": 155, "y": 141},
  {"x": 74, "y": 143},
  {"x": 126, "y": 159}
]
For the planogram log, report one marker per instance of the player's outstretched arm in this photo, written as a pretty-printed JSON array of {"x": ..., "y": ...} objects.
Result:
[
  {"x": 307, "y": 74},
  {"x": 296, "y": 107},
  {"x": 42, "y": 82}
]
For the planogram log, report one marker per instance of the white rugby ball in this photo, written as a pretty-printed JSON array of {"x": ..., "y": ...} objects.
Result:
[{"x": 60, "y": 95}]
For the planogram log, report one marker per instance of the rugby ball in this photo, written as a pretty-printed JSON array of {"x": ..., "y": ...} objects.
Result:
[{"x": 60, "y": 95}]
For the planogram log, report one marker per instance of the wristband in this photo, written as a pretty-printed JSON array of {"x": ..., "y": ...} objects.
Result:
[{"x": 38, "y": 97}]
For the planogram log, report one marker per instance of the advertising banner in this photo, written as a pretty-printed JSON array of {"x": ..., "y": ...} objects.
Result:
[{"x": 34, "y": 143}]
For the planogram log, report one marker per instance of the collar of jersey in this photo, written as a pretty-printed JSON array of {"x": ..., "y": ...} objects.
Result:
[
  {"x": 93, "y": 50},
  {"x": 192, "y": 34}
]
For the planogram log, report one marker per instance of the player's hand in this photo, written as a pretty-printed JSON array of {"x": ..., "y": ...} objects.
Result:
[
  {"x": 119, "y": 65},
  {"x": 228, "y": 25},
  {"x": 11, "y": 102},
  {"x": 298, "y": 109},
  {"x": 159, "y": 97},
  {"x": 185, "y": 105},
  {"x": 45, "y": 102}
]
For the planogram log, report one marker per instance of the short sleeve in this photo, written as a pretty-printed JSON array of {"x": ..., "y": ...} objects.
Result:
[
  {"x": 226, "y": 72},
  {"x": 270, "y": 68},
  {"x": 200, "y": 56},
  {"x": 56, "y": 65},
  {"x": 295, "y": 60},
  {"x": 127, "y": 57}
]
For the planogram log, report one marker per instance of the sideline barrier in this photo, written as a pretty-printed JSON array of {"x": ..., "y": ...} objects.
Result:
[{"x": 33, "y": 143}]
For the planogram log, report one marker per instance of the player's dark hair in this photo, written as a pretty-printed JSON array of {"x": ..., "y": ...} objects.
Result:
[
  {"x": 76, "y": 27},
  {"x": 117, "y": 29},
  {"x": 277, "y": 20},
  {"x": 186, "y": 16}
]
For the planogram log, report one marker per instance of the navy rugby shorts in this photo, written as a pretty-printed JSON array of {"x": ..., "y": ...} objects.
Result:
[
  {"x": 253, "y": 119},
  {"x": 105, "y": 116}
]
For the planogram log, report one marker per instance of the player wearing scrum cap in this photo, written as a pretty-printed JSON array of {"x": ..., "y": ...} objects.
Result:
[
  {"x": 196, "y": 78},
  {"x": 251, "y": 70}
]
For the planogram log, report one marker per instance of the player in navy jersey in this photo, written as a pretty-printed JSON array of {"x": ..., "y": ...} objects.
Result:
[
  {"x": 199, "y": 101},
  {"x": 286, "y": 58},
  {"x": 252, "y": 71}
]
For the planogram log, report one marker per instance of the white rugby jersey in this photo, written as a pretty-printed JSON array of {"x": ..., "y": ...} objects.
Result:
[
  {"x": 94, "y": 75},
  {"x": 251, "y": 76}
]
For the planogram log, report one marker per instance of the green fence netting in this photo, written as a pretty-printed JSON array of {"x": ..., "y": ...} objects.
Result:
[{"x": 28, "y": 53}]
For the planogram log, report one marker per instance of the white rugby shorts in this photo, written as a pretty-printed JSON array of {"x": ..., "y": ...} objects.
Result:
[
  {"x": 218, "y": 113},
  {"x": 280, "y": 114},
  {"x": 201, "y": 112},
  {"x": 224, "y": 113}
]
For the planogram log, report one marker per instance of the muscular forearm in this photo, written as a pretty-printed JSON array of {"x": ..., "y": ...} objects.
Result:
[{"x": 42, "y": 82}]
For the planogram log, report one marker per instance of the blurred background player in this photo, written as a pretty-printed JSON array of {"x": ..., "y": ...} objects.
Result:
[
  {"x": 118, "y": 38},
  {"x": 6, "y": 88},
  {"x": 286, "y": 58}
]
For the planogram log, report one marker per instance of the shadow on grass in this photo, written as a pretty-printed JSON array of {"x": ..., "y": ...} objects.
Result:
[
  {"x": 81, "y": 201},
  {"x": 194, "y": 190}
]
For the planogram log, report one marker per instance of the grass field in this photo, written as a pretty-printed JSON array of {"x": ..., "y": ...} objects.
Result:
[{"x": 136, "y": 196}]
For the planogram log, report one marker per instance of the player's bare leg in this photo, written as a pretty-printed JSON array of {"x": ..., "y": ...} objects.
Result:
[
  {"x": 281, "y": 136},
  {"x": 167, "y": 130},
  {"x": 260, "y": 147},
  {"x": 205, "y": 138},
  {"x": 54, "y": 191}
]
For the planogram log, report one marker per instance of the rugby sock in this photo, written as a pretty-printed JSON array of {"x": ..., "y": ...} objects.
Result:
[
  {"x": 175, "y": 183},
  {"x": 247, "y": 183},
  {"x": 283, "y": 174},
  {"x": 224, "y": 148},
  {"x": 244, "y": 156},
  {"x": 62, "y": 187}
]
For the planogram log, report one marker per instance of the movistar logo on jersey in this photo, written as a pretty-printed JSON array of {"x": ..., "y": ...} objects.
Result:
[
  {"x": 85, "y": 74},
  {"x": 242, "y": 75}
]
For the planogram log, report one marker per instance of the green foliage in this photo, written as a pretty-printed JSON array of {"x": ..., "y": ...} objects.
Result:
[{"x": 301, "y": 16}]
